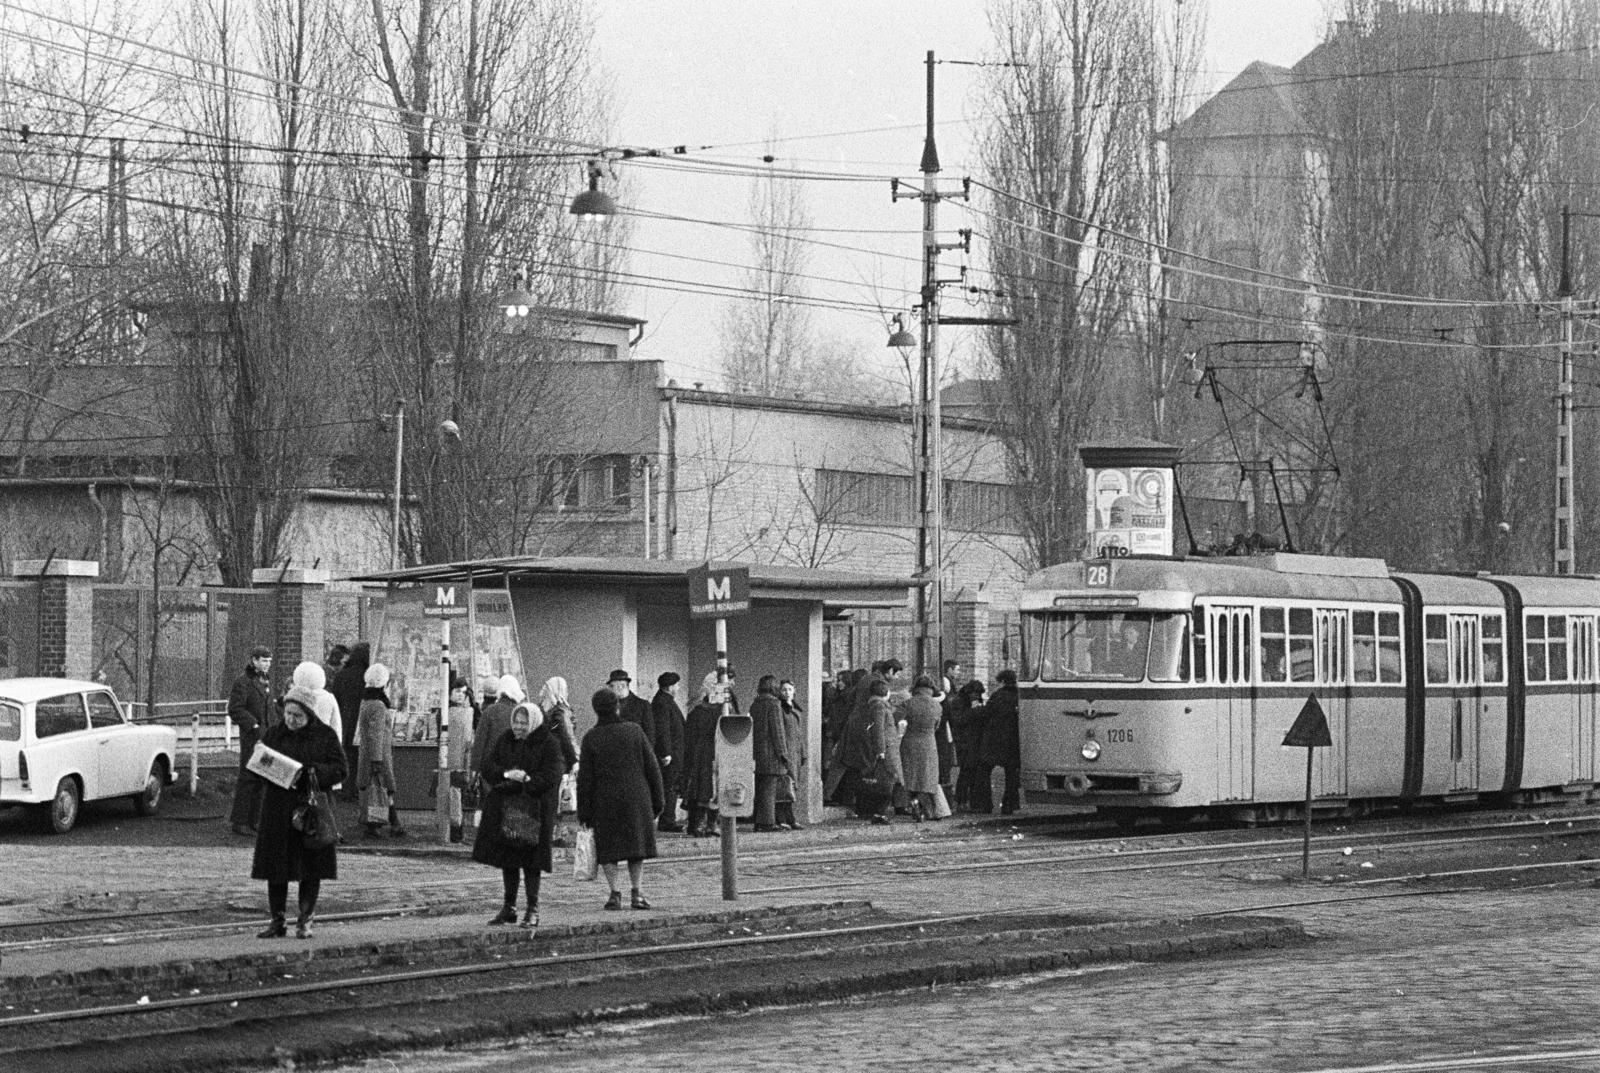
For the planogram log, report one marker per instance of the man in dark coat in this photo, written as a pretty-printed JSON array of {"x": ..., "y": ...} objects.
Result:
[
  {"x": 248, "y": 705},
  {"x": 281, "y": 855},
  {"x": 668, "y": 720},
  {"x": 699, "y": 761},
  {"x": 770, "y": 746},
  {"x": 634, "y": 708},
  {"x": 347, "y": 688},
  {"x": 619, "y": 795},
  {"x": 1002, "y": 746}
]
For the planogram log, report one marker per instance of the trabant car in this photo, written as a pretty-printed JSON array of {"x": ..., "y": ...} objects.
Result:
[{"x": 64, "y": 742}]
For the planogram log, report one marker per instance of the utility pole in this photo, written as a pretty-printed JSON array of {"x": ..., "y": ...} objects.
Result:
[
  {"x": 926, "y": 418},
  {"x": 1565, "y": 539}
]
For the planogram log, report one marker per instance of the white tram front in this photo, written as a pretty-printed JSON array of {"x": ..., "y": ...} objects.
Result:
[{"x": 1168, "y": 685}]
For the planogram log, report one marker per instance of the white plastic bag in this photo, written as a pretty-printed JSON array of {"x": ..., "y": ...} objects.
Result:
[
  {"x": 569, "y": 792},
  {"x": 584, "y": 864}
]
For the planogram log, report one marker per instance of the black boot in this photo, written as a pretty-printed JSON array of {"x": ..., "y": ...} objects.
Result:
[
  {"x": 275, "y": 930},
  {"x": 507, "y": 915},
  {"x": 395, "y": 830},
  {"x": 302, "y": 923}
]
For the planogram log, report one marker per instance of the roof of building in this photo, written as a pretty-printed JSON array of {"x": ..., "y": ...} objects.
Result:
[{"x": 767, "y": 582}]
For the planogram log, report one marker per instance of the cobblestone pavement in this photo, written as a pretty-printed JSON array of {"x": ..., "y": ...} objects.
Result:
[
  {"x": 1452, "y": 982},
  {"x": 1484, "y": 975}
]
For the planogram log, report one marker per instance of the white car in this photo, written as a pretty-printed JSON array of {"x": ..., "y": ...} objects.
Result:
[{"x": 64, "y": 742}]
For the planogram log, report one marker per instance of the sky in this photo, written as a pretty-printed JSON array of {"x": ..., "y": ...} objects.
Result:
[{"x": 834, "y": 85}]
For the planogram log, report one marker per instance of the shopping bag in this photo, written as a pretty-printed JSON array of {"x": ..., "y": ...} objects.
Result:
[
  {"x": 377, "y": 804},
  {"x": 941, "y": 805},
  {"x": 519, "y": 828},
  {"x": 584, "y": 863}
]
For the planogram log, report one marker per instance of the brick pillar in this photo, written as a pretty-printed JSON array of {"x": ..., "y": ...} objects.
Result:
[
  {"x": 297, "y": 632},
  {"x": 972, "y": 632},
  {"x": 66, "y": 614}
]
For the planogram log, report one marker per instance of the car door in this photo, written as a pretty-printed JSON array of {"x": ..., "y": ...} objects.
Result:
[
  {"x": 61, "y": 744},
  {"x": 120, "y": 752}
]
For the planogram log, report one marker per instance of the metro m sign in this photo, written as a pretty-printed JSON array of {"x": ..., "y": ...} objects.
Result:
[
  {"x": 719, "y": 592},
  {"x": 444, "y": 601}
]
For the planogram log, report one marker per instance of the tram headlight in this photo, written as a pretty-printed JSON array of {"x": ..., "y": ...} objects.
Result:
[{"x": 1091, "y": 749}]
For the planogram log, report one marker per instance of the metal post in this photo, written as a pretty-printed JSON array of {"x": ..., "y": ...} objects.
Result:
[
  {"x": 646, "y": 505},
  {"x": 927, "y": 420},
  {"x": 1565, "y": 538},
  {"x": 1305, "y": 849},
  {"x": 399, "y": 466},
  {"x": 441, "y": 793},
  {"x": 194, "y": 754},
  {"x": 727, "y": 825}
]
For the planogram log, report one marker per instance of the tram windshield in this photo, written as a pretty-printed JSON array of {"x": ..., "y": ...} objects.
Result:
[{"x": 1106, "y": 646}]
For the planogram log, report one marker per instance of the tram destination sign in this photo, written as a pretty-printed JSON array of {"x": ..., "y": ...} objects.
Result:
[{"x": 719, "y": 592}]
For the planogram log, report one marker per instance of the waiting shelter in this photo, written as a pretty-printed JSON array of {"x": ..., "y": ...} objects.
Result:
[{"x": 579, "y": 618}]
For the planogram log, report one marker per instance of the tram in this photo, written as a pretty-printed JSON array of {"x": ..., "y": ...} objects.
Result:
[{"x": 1165, "y": 686}]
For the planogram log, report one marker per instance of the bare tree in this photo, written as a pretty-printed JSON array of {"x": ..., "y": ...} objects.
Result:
[{"x": 1066, "y": 160}]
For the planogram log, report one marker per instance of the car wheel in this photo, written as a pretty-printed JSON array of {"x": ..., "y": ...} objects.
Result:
[
  {"x": 148, "y": 801},
  {"x": 64, "y": 806}
]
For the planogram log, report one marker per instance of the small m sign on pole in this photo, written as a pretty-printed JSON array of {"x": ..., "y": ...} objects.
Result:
[{"x": 719, "y": 592}]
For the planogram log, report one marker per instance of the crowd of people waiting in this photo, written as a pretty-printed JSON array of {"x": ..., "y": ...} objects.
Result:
[
  {"x": 515, "y": 764},
  {"x": 892, "y": 749}
]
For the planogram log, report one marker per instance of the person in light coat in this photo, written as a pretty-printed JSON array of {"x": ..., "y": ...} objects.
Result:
[
  {"x": 375, "y": 733},
  {"x": 919, "y": 752}
]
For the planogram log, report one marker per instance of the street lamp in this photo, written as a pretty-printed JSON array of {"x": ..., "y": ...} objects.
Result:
[
  {"x": 518, "y": 302},
  {"x": 594, "y": 203},
  {"x": 900, "y": 339}
]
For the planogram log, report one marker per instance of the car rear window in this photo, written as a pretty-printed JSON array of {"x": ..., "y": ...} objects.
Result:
[
  {"x": 10, "y": 722},
  {"x": 58, "y": 715},
  {"x": 103, "y": 711}
]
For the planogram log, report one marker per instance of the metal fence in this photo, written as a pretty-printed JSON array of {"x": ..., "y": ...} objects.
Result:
[
  {"x": 182, "y": 652},
  {"x": 19, "y": 628}
]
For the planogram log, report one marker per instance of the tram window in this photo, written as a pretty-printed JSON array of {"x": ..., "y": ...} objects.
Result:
[
  {"x": 1200, "y": 644},
  {"x": 1364, "y": 646},
  {"x": 1436, "y": 649},
  {"x": 1390, "y": 665},
  {"x": 1494, "y": 647},
  {"x": 1169, "y": 648},
  {"x": 1274, "y": 645},
  {"x": 1302, "y": 650},
  {"x": 1556, "y": 638},
  {"x": 1111, "y": 647}
]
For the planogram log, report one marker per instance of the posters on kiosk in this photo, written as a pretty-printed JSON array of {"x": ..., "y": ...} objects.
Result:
[{"x": 1130, "y": 511}]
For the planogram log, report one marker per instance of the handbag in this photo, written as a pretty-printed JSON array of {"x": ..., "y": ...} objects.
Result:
[
  {"x": 314, "y": 818},
  {"x": 519, "y": 828},
  {"x": 585, "y": 865},
  {"x": 878, "y": 777}
]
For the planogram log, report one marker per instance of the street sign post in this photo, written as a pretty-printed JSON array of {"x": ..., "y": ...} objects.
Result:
[
  {"x": 1309, "y": 732},
  {"x": 447, "y": 601},
  {"x": 720, "y": 593}
]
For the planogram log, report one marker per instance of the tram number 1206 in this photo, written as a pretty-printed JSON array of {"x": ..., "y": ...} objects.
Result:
[{"x": 1119, "y": 734}]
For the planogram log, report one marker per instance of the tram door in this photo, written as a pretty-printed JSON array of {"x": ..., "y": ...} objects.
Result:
[
  {"x": 1333, "y": 674},
  {"x": 1584, "y": 712},
  {"x": 1232, "y": 645},
  {"x": 1466, "y": 689}
]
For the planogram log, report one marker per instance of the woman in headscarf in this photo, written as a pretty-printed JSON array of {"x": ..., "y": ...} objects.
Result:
[
  {"x": 313, "y": 678},
  {"x": 281, "y": 855},
  {"x": 619, "y": 795},
  {"x": 375, "y": 775},
  {"x": 558, "y": 713},
  {"x": 523, "y": 768}
]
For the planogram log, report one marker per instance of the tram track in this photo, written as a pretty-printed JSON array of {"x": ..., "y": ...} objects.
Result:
[{"x": 564, "y": 978}]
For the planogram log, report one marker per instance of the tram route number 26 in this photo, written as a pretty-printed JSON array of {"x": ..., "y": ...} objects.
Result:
[{"x": 1097, "y": 575}]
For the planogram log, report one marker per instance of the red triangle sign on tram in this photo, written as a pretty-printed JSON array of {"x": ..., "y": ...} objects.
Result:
[{"x": 1310, "y": 730}]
